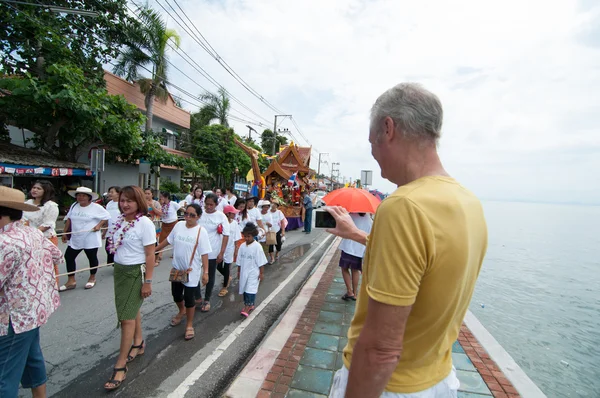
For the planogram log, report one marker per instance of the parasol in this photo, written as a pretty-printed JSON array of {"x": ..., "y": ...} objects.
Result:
[{"x": 354, "y": 200}]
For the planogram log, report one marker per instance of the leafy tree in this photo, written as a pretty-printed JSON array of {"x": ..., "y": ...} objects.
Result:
[
  {"x": 146, "y": 45},
  {"x": 215, "y": 145},
  {"x": 216, "y": 108},
  {"x": 67, "y": 115},
  {"x": 33, "y": 37},
  {"x": 266, "y": 142}
]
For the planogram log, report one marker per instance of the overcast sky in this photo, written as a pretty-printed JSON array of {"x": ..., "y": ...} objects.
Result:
[{"x": 518, "y": 80}]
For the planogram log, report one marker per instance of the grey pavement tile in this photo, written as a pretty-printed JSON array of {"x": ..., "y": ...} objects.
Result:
[
  {"x": 317, "y": 358},
  {"x": 456, "y": 347},
  {"x": 303, "y": 394},
  {"x": 328, "y": 328},
  {"x": 330, "y": 317},
  {"x": 312, "y": 379},
  {"x": 342, "y": 343},
  {"x": 324, "y": 342},
  {"x": 339, "y": 360},
  {"x": 334, "y": 307},
  {"x": 462, "y": 362},
  {"x": 462, "y": 394},
  {"x": 472, "y": 382}
]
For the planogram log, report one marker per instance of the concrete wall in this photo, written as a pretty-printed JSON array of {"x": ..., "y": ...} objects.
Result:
[
  {"x": 170, "y": 174},
  {"x": 119, "y": 174}
]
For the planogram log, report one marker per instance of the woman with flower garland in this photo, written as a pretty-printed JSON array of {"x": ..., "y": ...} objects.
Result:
[
  {"x": 132, "y": 240},
  {"x": 169, "y": 217},
  {"x": 191, "y": 246}
]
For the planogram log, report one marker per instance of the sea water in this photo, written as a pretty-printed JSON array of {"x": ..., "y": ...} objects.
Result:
[{"x": 539, "y": 292}]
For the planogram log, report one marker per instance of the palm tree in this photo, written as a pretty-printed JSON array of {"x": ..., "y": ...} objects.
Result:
[
  {"x": 147, "y": 45},
  {"x": 217, "y": 107}
]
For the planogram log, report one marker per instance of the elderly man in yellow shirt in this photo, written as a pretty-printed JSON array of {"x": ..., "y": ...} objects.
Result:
[{"x": 423, "y": 257}]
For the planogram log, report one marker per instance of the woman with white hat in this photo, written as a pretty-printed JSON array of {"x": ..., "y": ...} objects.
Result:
[{"x": 84, "y": 221}]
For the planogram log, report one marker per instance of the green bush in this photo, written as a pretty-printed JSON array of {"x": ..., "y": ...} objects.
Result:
[{"x": 169, "y": 186}]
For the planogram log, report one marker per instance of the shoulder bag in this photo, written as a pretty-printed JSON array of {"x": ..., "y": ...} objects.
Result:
[{"x": 183, "y": 276}]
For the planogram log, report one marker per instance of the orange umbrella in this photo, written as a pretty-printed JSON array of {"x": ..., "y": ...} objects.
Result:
[{"x": 354, "y": 200}]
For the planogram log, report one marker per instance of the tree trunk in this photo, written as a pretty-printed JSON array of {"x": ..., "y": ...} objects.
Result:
[{"x": 149, "y": 109}]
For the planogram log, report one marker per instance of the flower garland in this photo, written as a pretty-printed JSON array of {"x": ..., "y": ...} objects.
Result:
[
  {"x": 111, "y": 244},
  {"x": 165, "y": 209}
]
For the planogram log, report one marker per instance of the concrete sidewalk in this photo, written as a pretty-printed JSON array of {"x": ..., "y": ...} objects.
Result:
[{"x": 302, "y": 353}]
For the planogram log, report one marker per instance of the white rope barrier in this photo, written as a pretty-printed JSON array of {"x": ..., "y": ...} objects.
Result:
[{"x": 102, "y": 265}]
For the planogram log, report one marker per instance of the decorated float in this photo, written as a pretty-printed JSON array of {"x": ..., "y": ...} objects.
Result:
[{"x": 284, "y": 180}]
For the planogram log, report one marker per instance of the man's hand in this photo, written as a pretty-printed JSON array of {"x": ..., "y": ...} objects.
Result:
[{"x": 344, "y": 226}]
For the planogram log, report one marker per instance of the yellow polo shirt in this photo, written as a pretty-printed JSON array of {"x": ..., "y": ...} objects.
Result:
[{"x": 426, "y": 248}]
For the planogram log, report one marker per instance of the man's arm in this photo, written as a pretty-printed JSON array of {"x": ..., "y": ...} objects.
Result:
[{"x": 378, "y": 350}]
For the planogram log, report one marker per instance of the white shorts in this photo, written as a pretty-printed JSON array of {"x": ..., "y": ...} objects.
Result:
[{"x": 447, "y": 388}]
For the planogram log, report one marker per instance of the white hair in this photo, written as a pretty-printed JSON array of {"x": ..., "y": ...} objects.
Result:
[{"x": 415, "y": 111}]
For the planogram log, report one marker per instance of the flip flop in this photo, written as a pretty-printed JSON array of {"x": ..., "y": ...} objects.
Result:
[
  {"x": 223, "y": 292},
  {"x": 189, "y": 333},
  {"x": 347, "y": 297},
  {"x": 244, "y": 313},
  {"x": 90, "y": 285},
  {"x": 64, "y": 288},
  {"x": 205, "y": 307},
  {"x": 176, "y": 321}
]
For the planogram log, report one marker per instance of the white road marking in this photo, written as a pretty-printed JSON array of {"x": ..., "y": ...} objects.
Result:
[{"x": 189, "y": 381}]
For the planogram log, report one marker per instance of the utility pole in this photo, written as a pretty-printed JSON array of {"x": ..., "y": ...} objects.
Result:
[
  {"x": 319, "y": 168},
  {"x": 275, "y": 130},
  {"x": 250, "y": 130},
  {"x": 334, "y": 170}
]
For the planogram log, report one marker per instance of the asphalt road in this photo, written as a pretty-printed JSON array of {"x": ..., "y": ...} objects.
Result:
[{"x": 80, "y": 341}]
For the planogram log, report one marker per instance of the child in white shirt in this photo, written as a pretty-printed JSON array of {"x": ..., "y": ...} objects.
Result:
[{"x": 251, "y": 259}]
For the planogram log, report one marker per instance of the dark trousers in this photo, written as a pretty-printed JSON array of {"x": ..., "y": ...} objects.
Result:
[
  {"x": 181, "y": 293},
  {"x": 278, "y": 246},
  {"x": 71, "y": 254},
  {"x": 249, "y": 298},
  {"x": 110, "y": 258},
  {"x": 212, "y": 274},
  {"x": 308, "y": 220},
  {"x": 224, "y": 269}
]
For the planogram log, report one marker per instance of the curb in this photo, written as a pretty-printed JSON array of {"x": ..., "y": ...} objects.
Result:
[{"x": 275, "y": 353}]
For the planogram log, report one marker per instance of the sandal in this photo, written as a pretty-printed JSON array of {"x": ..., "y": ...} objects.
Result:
[
  {"x": 176, "y": 320},
  {"x": 223, "y": 292},
  {"x": 64, "y": 288},
  {"x": 205, "y": 307},
  {"x": 347, "y": 297},
  {"x": 90, "y": 285},
  {"x": 141, "y": 349},
  {"x": 115, "y": 383},
  {"x": 189, "y": 334}
]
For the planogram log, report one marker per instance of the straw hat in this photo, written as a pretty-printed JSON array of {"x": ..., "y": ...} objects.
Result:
[
  {"x": 15, "y": 199},
  {"x": 84, "y": 190},
  {"x": 262, "y": 203}
]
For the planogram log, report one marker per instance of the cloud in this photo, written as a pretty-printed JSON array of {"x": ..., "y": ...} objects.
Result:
[{"x": 519, "y": 81}]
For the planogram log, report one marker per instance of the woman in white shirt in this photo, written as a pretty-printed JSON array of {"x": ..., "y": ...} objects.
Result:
[
  {"x": 84, "y": 220},
  {"x": 253, "y": 212},
  {"x": 113, "y": 209},
  {"x": 352, "y": 255},
  {"x": 267, "y": 222},
  {"x": 42, "y": 193},
  {"x": 231, "y": 198},
  {"x": 278, "y": 221},
  {"x": 169, "y": 217},
  {"x": 191, "y": 247},
  {"x": 231, "y": 250},
  {"x": 132, "y": 240},
  {"x": 217, "y": 226}
]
